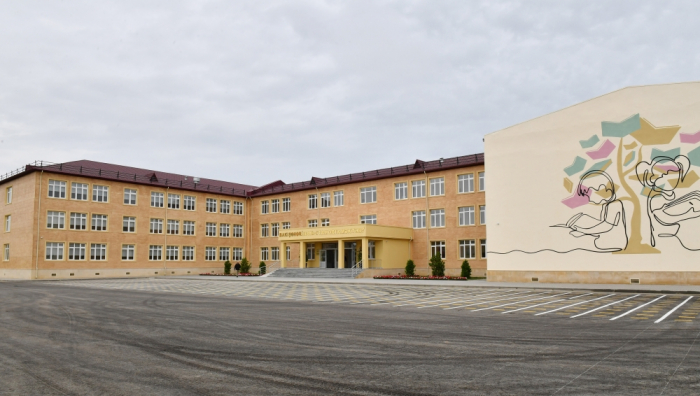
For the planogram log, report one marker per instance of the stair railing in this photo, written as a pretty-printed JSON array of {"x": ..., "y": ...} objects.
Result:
[
  {"x": 272, "y": 267},
  {"x": 357, "y": 268}
]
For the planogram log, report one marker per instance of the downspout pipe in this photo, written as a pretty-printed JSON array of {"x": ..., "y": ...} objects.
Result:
[
  {"x": 427, "y": 213},
  {"x": 38, "y": 227}
]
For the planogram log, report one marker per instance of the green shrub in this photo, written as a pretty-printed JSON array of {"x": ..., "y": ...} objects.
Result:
[
  {"x": 410, "y": 268},
  {"x": 227, "y": 267},
  {"x": 245, "y": 266},
  {"x": 263, "y": 268},
  {"x": 466, "y": 269},
  {"x": 437, "y": 265}
]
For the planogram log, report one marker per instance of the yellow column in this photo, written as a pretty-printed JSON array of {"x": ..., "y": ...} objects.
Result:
[
  {"x": 302, "y": 254},
  {"x": 283, "y": 255},
  {"x": 365, "y": 253},
  {"x": 341, "y": 254}
]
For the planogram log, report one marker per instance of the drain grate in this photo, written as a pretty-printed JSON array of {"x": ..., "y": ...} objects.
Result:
[
  {"x": 535, "y": 279},
  {"x": 634, "y": 280}
]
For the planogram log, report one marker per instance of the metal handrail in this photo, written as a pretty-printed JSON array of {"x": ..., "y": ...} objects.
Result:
[
  {"x": 357, "y": 268},
  {"x": 270, "y": 268}
]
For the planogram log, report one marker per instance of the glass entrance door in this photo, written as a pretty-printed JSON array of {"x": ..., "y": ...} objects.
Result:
[
  {"x": 322, "y": 259},
  {"x": 350, "y": 254},
  {"x": 330, "y": 258}
]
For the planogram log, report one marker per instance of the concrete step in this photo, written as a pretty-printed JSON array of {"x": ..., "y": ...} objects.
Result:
[{"x": 330, "y": 273}]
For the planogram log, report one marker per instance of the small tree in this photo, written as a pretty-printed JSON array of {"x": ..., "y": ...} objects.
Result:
[
  {"x": 245, "y": 266},
  {"x": 263, "y": 268},
  {"x": 227, "y": 267},
  {"x": 410, "y": 268},
  {"x": 466, "y": 269},
  {"x": 437, "y": 265}
]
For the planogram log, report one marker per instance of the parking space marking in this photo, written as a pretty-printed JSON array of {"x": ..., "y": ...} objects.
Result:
[
  {"x": 673, "y": 310},
  {"x": 606, "y": 305},
  {"x": 519, "y": 302},
  {"x": 639, "y": 307},
  {"x": 493, "y": 301},
  {"x": 533, "y": 306},
  {"x": 582, "y": 302}
]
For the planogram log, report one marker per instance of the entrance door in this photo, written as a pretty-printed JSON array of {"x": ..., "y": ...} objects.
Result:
[
  {"x": 330, "y": 258},
  {"x": 323, "y": 257},
  {"x": 350, "y": 254}
]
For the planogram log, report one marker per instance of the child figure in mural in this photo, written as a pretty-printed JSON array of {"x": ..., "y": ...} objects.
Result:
[
  {"x": 670, "y": 216},
  {"x": 609, "y": 230}
]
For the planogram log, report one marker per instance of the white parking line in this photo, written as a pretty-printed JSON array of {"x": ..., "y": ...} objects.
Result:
[
  {"x": 673, "y": 310},
  {"x": 456, "y": 300},
  {"x": 493, "y": 301},
  {"x": 573, "y": 305},
  {"x": 641, "y": 306},
  {"x": 606, "y": 305},
  {"x": 479, "y": 297},
  {"x": 582, "y": 295},
  {"x": 518, "y": 302},
  {"x": 533, "y": 306}
]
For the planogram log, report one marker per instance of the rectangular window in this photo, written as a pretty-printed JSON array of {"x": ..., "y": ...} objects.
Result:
[
  {"x": 129, "y": 224},
  {"x": 224, "y": 230},
  {"x": 173, "y": 201},
  {"x": 172, "y": 253},
  {"x": 437, "y": 186},
  {"x": 275, "y": 206},
  {"x": 289, "y": 253},
  {"x": 99, "y": 222},
  {"x": 128, "y": 252},
  {"x": 482, "y": 248},
  {"x": 57, "y": 189},
  {"x": 156, "y": 226},
  {"x": 238, "y": 231},
  {"x": 368, "y": 219},
  {"x": 100, "y": 193},
  {"x": 264, "y": 207},
  {"x": 129, "y": 196},
  {"x": 237, "y": 208},
  {"x": 155, "y": 252},
  {"x": 189, "y": 202},
  {"x": 98, "y": 252},
  {"x": 157, "y": 199},
  {"x": 482, "y": 214},
  {"x": 275, "y": 229},
  {"x": 437, "y": 218},
  {"x": 326, "y": 200},
  {"x": 56, "y": 220},
  {"x": 313, "y": 201},
  {"x": 325, "y": 222},
  {"x": 286, "y": 204},
  {"x": 210, "y": 205},
  {"x": 338, "y": 198},
  {"x": 188, "y": 253},
  {"x": 173, "y": 227},
  {"x": 467, "y": 249},
  {"x": 210, "y": 253},
  {"x": 264, "y": 230},
  {"x": 419, "y": 219},
  {"x": 313, "y": 223},
  {"x": 482, "y": 182},
  {"x": 76, "y": 251},
  {"x": 264, "y": 254},
  {"x": 8, "y": 223},
  {"x": 6, "y": 252},
  {"x": 466, "y": 216},
  {"x": 237, "y": 253},
  {"x": 54, "y": 250},
  {"x": 188, "y": 227},
  {"x": 78, "y": 221},
  {"x": 8, "y": 195},
  {"x": 400, "y": 191},
  {"x": 79, "y": 191},
  {"x": 275, "y": 254},
  {"x": 371, "y": 250},
  {"x": 225, "y": 206},
  {"x": 437, "y": 247},
  {"x": 286, "y": 225},
  {"x": 224, "y": 254},
  {"x": 465, "y": 183},
  {"x": 418, "y": 188},
  {"x": 310, "y": 253},
  {"x": 368, "y": 194},
  {"x": 210, "y": 229}
]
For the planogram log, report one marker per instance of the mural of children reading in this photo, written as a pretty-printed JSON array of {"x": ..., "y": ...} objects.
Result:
[
  {"x": 609, "y": 230},
  {"x": 670, "y": 216}
]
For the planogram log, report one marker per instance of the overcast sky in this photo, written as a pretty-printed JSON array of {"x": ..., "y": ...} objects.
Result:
[{"x": 257, "y": 91}]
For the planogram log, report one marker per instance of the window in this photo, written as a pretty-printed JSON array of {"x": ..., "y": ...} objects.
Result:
[
  {"x": 100, "y": 193},
  {"x": 224, "y": 254},
  {"x": 286, "y": 204},
  {"x": 325, "y": 222},
  {"x": 54, "y": 250},
  {"x": 275, "y": 254},
  {"x": 368, "y": 194},
  {"x": 156, "y": 199},
  {"x": 264, "y": 254},
  {"x": 78, "y": 221},
  {"x": 99, "y": 222},
  {"x": 98, "y": 252},
  {"x": 313, "y": 204},
  {"x": 289, "y": 253},
  {"x": 238, "y": 231},
  {"x": 310, "y": 253},
  {"x": 286, "y": 225},
  {"x": 482, "y": 214},
  {"x": 275, "y": 206},
  {"x": 155, "y": 253},
  {"x": 326, "y": 200},
  {"x": 418, "y": 188},
  {"x": 225, "y": 230},
  {"x": 437, "y": 247},
  {"x": 437, "y": 186},
  {"x": 467, "y": 249},
  {"x": 188, "y": 227},
  {"x": 275, "y": 229},
  {"x": 210, "y": 253},
  {"x": 211, "y": 205},
  {"x": 400, "y": 191},
  {"x": 172, "y": 253},
  {"x": 465, "y": 183},
  {"x": 264, "y": 207},
  {"x": 56, "y": 220},
  {"x": 128, "y": 252},
  {"x": 370, "y": 250},
  {"x": 156, "y": 226},
  {"x": 129, "y": 224},
  {"x": 237, "y": 253},
  {"x": 368, "y": 219},
  {"x": 79, "y": 191},
  {"x": 173, "y": 201},
  {"x": 338, "y": 198},
  {"x": 210, "y": 229},
  {"x": 6, "y": 252},
  {"x": 466, "y": 216},
  {"x": 264, "y": 230},
  {"x": 419, "y": 219},
  {"x": 482, "y": 248},
  {"x": 188, "y": 253},
  {"x": 482, "y": 182},
  {"x": 8, "y": 195},
  {"x": 173, "y": 227},
  {"x": 225, "y": 206},
  {"x": 189, "y": 202},
  {"x": 437, "y": 218},
  {"x": 129, "y": 196},
  {"x": 57, "y": 189},
  {"x": 238, "y": 208},
  {"x": 313, "y": 223},
  {"x": 8, "y": 223},
  {"x": 76, "y": 251}
]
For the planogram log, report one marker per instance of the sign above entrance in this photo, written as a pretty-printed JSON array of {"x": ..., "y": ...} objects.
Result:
[
  {"x": 322, "y": 231},
  {"x": 345, "y": 232}
]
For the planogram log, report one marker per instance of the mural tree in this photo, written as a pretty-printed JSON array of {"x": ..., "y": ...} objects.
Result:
[{"x": 620, "y": 147}]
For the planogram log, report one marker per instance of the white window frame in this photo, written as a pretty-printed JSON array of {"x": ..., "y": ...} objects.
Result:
[
  {"x": 325, "y": 200},
  {"x": 189, "y": 202},
  {"x": 482, "y": 214},
  {"x": 224, "y": 254},
  {"x": 467, "y": 249},
  {"x": 225, "y": 206},
  {"x": 6, "y": 252},
  {"x": 98, "y": 221},
  {"x": 286, "y": 225},
  {"x": 286, "y": 204},
  {"x": 188, "y": 227},
  {"x": 368, "y": 194},
  {"x": 77, "y": 251},
  {"x": 313, "y": 201},
  {"x": 325, "y": 222},
  {"x": 98, "y": 252},
  {"x": 312, "y": 223},
  {"x": 264, "y": 254},
  {"x": 310, "y": 252},
  {"x": 210, "y": 205},
  {"x": 209, "y": 253},
  {"x": 236, "y": 254},
  {"x": 288, "y": 252},
  {"x": 128, "y": 252},
  {"x": 275, "y": 229},
  {"x": 275, "y": 254},
  {"x": 368, "y": 219},
  {"x": 237, "y": 208},
  {"x": 238, "y": 231},
  {"x": 264, "y": 230},
  {"x": 100, "y": 193},
  {"x": 482, "y": 181},
  {"x": 128, "y": 224},
  {"x": 401, "y": 191},
  {"x": 224, "y": 230},
  {"x": 57, "y": 189},
  {"x": 78, "y": 221},
  {"x": 158, "y": 229},
  {"x": 155, "y": 253},
  {"x": 8, "y": 195},
  {"x": 56, "y": 220},
  {"x": 172, "y": 253},
  {"x": 465, "y": 183},
  {"x": 79, "y": 191},
  {"x": 265, "y": 207},
  {"x": 275, "y": 205},
  {"x": 188, "y": 253},
  {"x": 418, "y": 219},
  {"x": 482, "y": 248},
  {"x": 54, "y": 247},
  {"x": 339, "y": 198},
  {"x": 439, "y": 247},
  {"x": 157, "y": 199},
  {"x": 173, "y": 201},
  {"x": 466, "y": 215},
  {"x": 173, "y": 227},
  {"x": 130, "y": 196},
  {"x": 8, "y": 223},
  {"x": 210, "y": 229},
  {"x": 418, "y": 189},
  {"x": 437, "y": 218},
  {"x": 437, "y": 186}
]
